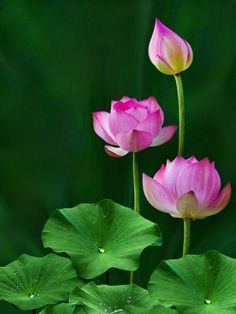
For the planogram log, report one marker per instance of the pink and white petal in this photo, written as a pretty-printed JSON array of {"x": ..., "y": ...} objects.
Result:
[
  {"x": 169, "y": 175},
  {"x": 152, "y": 124},
  {"x": 121, "y": 121},
  {"x": 158, "y": 196},
  {"x": 203, "y": 179},
  {"x": 164, "y": 135},
  {"x": 154, "y": 48},
  {"x": 187, "y": 205},
  {"x": 134, "y": 140},
  {"x": 153, "y": 44},
  {"x": 152, "y": 105},
  {"x": 160, "y": 175},
  {"x": 101, "y": 126},
  {"x": 139, "y": 112},
  {"x": 221, "y": 201},
  {"x": 115, "y": 151}
]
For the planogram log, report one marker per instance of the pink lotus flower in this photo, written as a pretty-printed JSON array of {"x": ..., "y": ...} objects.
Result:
[
  {"x": 168, "y": 51},
  {"x": 132, "y": 126},
  {"x": 187, "y": 188}
]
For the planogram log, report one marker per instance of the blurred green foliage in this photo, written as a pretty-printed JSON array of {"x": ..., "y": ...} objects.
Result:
[{"x": 59, "y": 61}]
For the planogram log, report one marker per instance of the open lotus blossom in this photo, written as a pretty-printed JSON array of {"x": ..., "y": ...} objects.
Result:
[
  {"x": 168, "y": 51},
  {"x": 132, "y": 126},
  {"x": 187, "y": 188}
]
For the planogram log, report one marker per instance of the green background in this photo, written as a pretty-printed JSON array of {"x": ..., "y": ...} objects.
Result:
[{"x": 62, "y": 59}]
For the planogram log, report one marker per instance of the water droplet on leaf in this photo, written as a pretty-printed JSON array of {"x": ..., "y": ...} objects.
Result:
[
  {"x": 18, "y": 286},
  {"x": 129, "y": 300},
  {"x": 207, "y": 301},
  {"x": 101, "y": 250}
]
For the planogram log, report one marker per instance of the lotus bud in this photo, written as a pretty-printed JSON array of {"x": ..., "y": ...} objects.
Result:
[{"x": 168, "y": 51}]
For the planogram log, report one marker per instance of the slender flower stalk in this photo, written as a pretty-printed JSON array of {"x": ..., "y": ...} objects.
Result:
[
  {"x": 180, "y": 93},
  {"x": 136, "y": 197},
  {"x": 187, "y": 229},
  {"x": 136, "y": 183}
]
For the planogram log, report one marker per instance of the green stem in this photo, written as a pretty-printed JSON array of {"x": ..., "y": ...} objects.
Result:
[
  {"x": 180, "y": 93},
  {"x": 136, "y": 183},
  {"x": 136, "y": 197},
  {"x": 187, "y": 227}
]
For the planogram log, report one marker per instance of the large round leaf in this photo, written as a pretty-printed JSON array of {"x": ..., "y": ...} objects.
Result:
[
  {"x": 116, "y": 299},
  {"x": 100, "y": 236},
  {"x": 33, "y": 282},
  {"x": 63, "y": 308},
  {"x": 197, "y": 284}
]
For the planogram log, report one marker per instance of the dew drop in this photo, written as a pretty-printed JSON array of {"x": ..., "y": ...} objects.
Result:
[
  {"x": 31, "y": 295},
  {"x": 207, "y": 301},
  {"x": 129, "y": 300},
  {"x": 101, "y": 250},
  {"x": 18, "y": 286}
]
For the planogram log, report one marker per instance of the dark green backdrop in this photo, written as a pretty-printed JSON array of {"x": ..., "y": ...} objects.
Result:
[{"x": 62, "y": 59}]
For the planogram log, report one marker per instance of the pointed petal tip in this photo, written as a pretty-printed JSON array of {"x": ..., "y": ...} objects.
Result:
[{"x": 165, "y": 134}]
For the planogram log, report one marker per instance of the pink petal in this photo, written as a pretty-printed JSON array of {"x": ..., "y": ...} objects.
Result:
[
  {"x": 120, "y": 121},
  {"x": 187, "y": 205},
  {"x": 124, "y": 99},
  {"x": 153, "y": 44},
  {"x": 158, "y": 196},
  {"x": 132, "y": 107},
  {"x": 152, "y": 124},
  {"x": 152, "y": 106},
  {"x": 221, "y": 201},
  {"x": 139, "y": 112},
  {"x": 160, "y": 175},
  {"x": 115, "y": 151},
  {"x": 203, "y": 179},
  {"x": 164, "y": 135},
  {"x": 101, "y": 126},
  {"x": 134, "y": 140},
  {"x": 192, "y": 159},
  {"x": 125, "y": 105},
  {"x": 162, "y": 29},
  {"x": 169, "y": 174}
]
